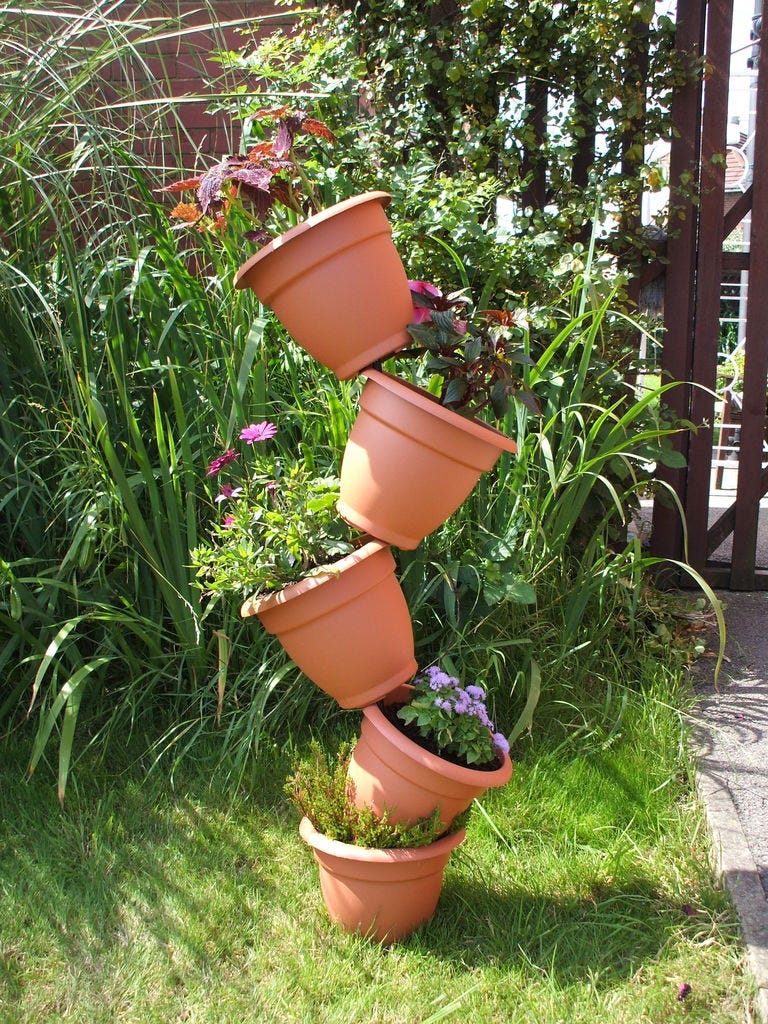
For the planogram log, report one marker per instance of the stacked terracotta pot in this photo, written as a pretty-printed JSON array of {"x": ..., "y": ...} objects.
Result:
[{"x": 337, "y": 284}]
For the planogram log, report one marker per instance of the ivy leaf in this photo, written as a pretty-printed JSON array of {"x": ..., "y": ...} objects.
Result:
[
  {"x": 672, "y": 457},
  {"x": 520, "y": 591}
]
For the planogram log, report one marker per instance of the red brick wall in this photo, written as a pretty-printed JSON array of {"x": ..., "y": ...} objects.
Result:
[
  {"x": 160, "y": 86},
  {"x": 181, "y": 60}
]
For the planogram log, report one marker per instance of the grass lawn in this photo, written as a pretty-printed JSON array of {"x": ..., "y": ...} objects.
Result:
[{"x": 582, "y": 894}]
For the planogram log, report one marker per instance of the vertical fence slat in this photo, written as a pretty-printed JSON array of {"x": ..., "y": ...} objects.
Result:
[
  {"x": 677, "y": 353},
  {"x": 709, "y": 272},
  {"x": 750, "y": 486}
]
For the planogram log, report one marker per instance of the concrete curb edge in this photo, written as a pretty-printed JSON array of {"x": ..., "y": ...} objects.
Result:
[{"x": 735, "y": 865}]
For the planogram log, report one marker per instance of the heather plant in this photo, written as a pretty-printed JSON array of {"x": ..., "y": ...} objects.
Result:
[{"x": 319, "y": 788}]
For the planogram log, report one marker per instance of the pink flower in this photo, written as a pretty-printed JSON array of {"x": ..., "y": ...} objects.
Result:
[
  {"x": 421, "y": 313},
  {"x": 258, "y": 432},
  {"x": 223, "y": 460},
  {"x": 229, "y": 520},
  {"x": 228, "y": 491}
]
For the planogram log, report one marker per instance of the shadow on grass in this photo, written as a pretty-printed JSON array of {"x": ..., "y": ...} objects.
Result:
[{"x": 609, "y": 933}]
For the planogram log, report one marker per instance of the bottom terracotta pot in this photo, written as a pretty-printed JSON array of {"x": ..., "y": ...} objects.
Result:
[
  {"x": 383, "y": 894},
  {"x": 389, "y": 770},
  {"x": 347, "y": 629}
]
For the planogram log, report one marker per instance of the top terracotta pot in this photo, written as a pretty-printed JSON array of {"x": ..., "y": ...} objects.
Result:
[{"x": 337, "y": 284}]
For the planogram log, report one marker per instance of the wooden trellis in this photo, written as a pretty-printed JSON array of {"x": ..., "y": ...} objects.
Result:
[{"x": 699, "y": 224}]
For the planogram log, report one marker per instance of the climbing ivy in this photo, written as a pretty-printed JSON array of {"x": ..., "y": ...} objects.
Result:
[{"x": 453, "y": 105}]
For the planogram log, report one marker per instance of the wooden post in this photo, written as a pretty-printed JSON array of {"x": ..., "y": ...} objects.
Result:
[
  {"x": 751, "y": 485},
  {"x": 677, "y": 354},
  {"x": 709, "y": 274}
]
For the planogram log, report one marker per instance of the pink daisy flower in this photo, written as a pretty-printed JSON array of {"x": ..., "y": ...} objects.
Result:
[{"x": 255, "y": 432}]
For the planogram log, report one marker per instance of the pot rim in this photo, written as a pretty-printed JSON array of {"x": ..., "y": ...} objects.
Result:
[
  {"x": 312, "y": 221},
  {"x": 425, "y": 758},
  {"x": 346, "y": 851},
  {"x": 262, "y": 602},
  {"x": 423, "y": 400}
]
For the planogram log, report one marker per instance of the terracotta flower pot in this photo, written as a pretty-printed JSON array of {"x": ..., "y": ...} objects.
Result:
[
  {"x": 337, "y": 284},
  {"x": 410, "y": 462},
  {"x": 389, "y": 770},
  {"x": 347, "y": 629},
  {"x": 384, "y": 894}
]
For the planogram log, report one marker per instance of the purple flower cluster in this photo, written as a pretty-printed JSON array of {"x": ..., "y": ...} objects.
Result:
[{"x": 454, "y": 699}]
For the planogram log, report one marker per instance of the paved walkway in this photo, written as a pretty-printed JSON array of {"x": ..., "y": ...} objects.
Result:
[{"x": 731, "y": 731}]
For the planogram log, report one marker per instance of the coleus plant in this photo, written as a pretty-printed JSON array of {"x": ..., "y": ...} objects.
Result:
[
  {"x": 270, "y": 178},
  {"x": 477, "y": 355}
]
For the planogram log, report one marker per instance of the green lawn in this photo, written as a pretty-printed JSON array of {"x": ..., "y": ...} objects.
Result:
[{"x": 581, "y": 895}]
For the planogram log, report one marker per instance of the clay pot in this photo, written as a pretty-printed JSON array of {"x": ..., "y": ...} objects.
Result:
[
  {"x": 384, "y": 894},
  {"x": 348, "y": 629},
  {"x": 410, "y": 462},
  {"x": 337, "y": 284},
  {"x": 389, "y": 770}
]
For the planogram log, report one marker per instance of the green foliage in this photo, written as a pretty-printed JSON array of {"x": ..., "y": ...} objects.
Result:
[
  {"x": 281, "y": 525},
  {"x": 445, "y": 105},
  {"x": 319, "y": 788},
  {"x": 124, "y": 359}
]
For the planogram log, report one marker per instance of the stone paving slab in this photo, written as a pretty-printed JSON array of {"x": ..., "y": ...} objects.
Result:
[{"x": 731, "y": 735}]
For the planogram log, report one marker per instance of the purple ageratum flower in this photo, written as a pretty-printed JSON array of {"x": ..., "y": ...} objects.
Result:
[
  {"x": 482, "y": 716},
  {"x": 228, "y": 491},
  {"x": 476, "y": 692},
  {"x": 223, "y": 460},
  {"x": 256, "y": 432},
  {"x": 439, "y": 680},
  {"x": 463, "y": 704},
  {"x": 500, "y": 742}
]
